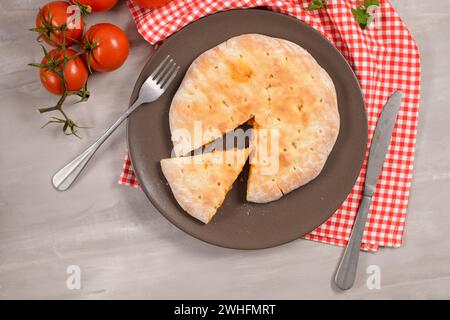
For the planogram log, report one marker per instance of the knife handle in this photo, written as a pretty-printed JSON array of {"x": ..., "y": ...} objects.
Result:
[{"x": 346, "y": 271}]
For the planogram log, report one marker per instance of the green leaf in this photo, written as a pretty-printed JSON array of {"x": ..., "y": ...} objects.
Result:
[
  {"x": 362, "y": 15},
  {"x": 318, "y": 4},
  {"x": 369, "y": 3}
]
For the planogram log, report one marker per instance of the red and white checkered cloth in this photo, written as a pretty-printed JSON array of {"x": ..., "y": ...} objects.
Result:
[{"x": 384, "y": 57}]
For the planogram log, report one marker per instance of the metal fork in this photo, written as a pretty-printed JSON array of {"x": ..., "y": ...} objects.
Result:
[{"x": 155, "y": 85}]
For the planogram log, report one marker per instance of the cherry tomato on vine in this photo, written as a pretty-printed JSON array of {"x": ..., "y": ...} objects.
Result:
[
  {"x": 75, "y": 73},
  {"x": 54, "y": 15},
  {"x": 151, "y": 4},
  {"x": 106, "y": 47},
  {"x": 96, "y": 5}
]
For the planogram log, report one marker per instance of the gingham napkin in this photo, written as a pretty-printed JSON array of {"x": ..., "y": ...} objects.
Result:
[{"x": 384, "y": 57}]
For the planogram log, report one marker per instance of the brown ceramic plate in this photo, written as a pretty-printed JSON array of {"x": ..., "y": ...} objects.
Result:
[{"x": 240, "y": 224}]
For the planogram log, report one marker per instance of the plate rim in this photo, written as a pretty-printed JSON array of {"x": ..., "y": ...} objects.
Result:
[{"x": 180, "y": 32}]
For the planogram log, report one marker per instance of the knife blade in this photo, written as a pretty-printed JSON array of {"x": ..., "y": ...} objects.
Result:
[
  {"x": 346, "y": 271},
  {"x": 380, "y": 141}
]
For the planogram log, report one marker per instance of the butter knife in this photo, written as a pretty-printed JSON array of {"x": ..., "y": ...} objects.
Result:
[{"x": 346, "y": 271}]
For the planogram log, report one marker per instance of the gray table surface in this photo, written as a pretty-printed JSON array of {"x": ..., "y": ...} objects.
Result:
[{"x": 126, "y": 249}]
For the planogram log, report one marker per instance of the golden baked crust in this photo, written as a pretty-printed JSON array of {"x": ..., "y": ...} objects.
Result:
[
  {"x": 201, "y": 182},
  {"x": 278, "y": 85}
]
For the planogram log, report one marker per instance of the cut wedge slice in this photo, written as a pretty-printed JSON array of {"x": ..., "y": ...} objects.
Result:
[{"x": 201, "y": 182}]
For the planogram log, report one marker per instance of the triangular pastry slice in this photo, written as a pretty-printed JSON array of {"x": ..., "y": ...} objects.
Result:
[{"x": 200, "y": 183}]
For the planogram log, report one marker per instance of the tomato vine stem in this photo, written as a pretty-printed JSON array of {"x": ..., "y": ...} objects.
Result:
[{"x": 58, "y": 66}]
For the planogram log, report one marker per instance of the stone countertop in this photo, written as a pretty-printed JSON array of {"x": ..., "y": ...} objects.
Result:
[{"x": 126, "y": 249}]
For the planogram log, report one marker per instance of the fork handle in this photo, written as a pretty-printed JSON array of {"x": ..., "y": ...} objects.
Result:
[
  {"x": 346, "y": 272},
  {"x": 64, "y": 178}
]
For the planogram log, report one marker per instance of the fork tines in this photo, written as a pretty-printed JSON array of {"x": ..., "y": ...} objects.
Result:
[{"x": 165, "y": 72}]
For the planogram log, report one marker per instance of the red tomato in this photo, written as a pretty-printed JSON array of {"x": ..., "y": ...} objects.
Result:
[
  {"x": 55, "y": 14},
  {"x": 106, "y": 46},
  {"x": 75, "y": 72},
  {"x": 96, "y": 5},
  {"x": 151, "y": 4}
]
